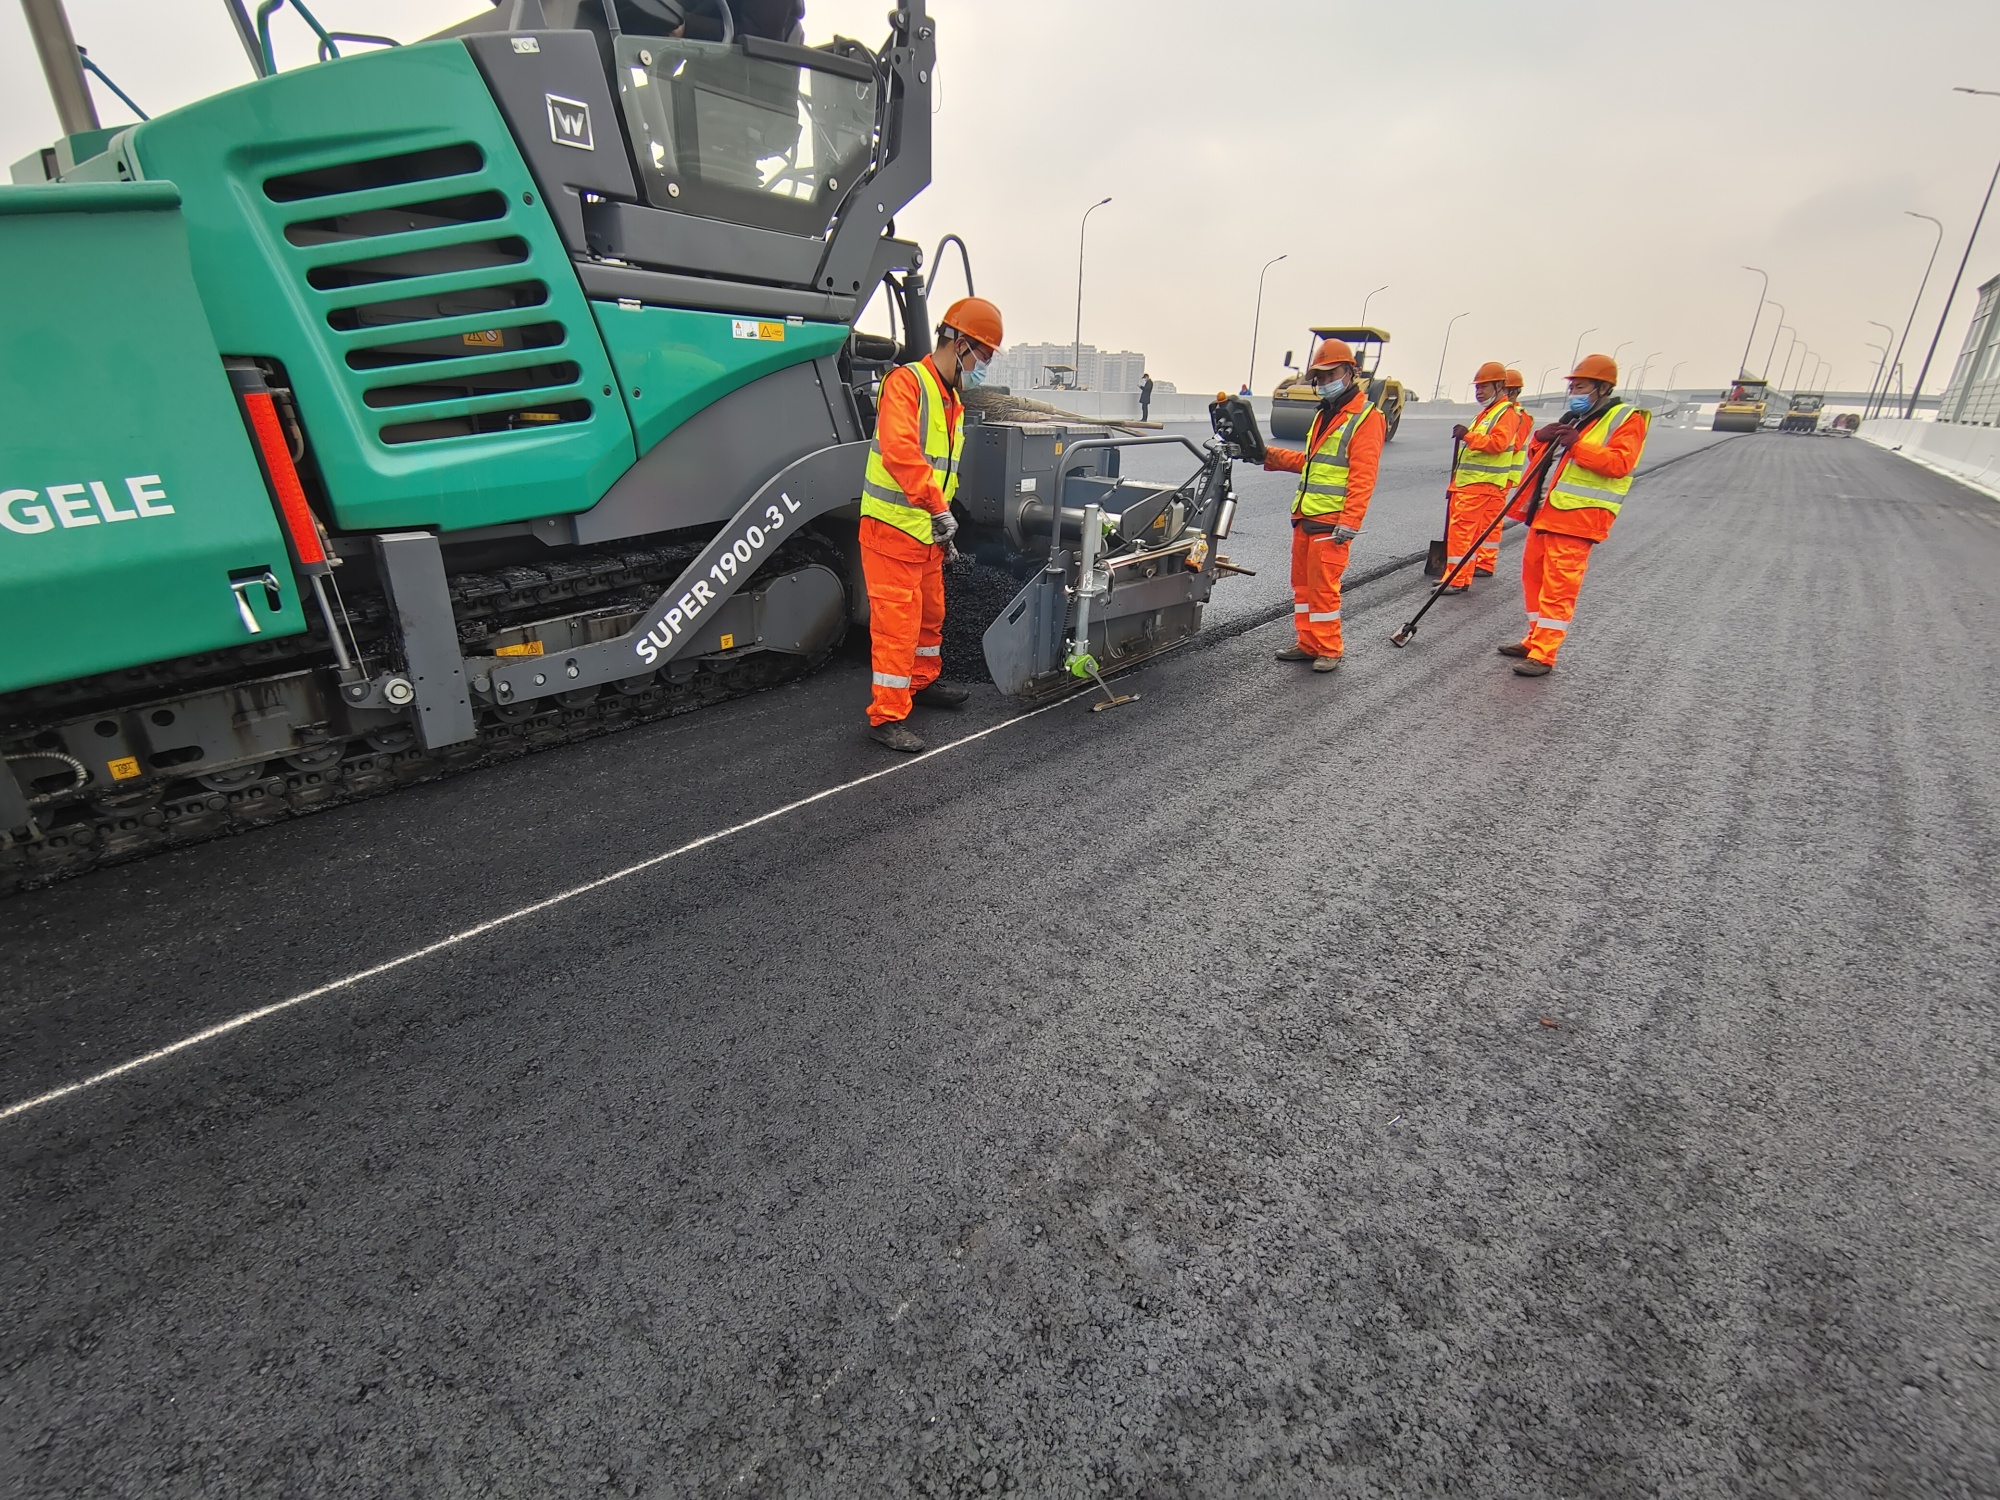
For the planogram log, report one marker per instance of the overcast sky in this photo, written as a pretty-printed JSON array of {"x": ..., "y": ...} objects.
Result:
[{"x": 1543, "y": 168}]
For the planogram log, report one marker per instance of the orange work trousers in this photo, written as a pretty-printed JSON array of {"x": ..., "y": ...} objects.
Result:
[
  {"x": 905, "y": 616},
  {"x": 1317, "y": 563},
  {"x": 1473, "y": 507},
  {"x": 1552, "y": 569}
]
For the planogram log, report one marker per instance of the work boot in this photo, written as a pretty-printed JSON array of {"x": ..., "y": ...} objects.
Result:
[
  {"x": 1513, "y": 648},
  {"x": 1325, "y": 663},
  {"x": 1479, "y": 572},
  {"x": 1458, "y": 588},
  {"x": 941, "y": 694},
  {"x": 1293, "y": 653},
  {"x": 898, "y": 736},
  {"x": 1532, "y": 668}
]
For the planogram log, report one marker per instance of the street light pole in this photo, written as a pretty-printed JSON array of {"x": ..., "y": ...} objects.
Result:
[
  {"x": 1792, "y": 351},
  {"x": 1771, "y": 353},
  {"x": 1743, "y": 366},
  {"x": 1542, "y": 385},
  {"x": 1896, "y": 360},
  {"x": 1917, "y": 390},
  {"x": 1782, "y": 328},
  {"x": 1437, "y": 391},
  {"x": 1257, "y": 322},
  {"x": 1675, "y": 374},
  {"x": 1368, "y": 299},
  {"x": 1076, "y": 354},
  {"x": 1578, "y": 350},
  {"x": 1647, "y": 366},
  {"x": 1881, "y": 365}
]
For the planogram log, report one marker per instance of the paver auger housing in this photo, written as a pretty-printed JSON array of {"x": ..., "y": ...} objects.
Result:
[
  {"x": 438, "y": 402},
  {"x": 1128, "y": 565}
]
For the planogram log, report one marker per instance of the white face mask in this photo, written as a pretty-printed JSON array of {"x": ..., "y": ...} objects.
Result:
[
  {"x": 972, "y": 370},
  {"x": 1333, "y": 387}
]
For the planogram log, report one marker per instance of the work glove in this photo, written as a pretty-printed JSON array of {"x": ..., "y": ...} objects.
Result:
[
  {"x": 1458, "y": 433},
  {"x": 1342, "y": 535},
  {"x": 1557, "y": 434},
  {"x": 944, "y": 526}
]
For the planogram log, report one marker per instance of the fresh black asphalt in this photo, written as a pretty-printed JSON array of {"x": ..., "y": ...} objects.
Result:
[{"x": 1416, "y": 1080}]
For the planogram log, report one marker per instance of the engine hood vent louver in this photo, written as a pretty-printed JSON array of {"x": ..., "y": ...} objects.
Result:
[{"x": 435, "y": 331}]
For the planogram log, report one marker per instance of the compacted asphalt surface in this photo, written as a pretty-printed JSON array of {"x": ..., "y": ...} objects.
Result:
[{"x": 1412, "y": 1080}]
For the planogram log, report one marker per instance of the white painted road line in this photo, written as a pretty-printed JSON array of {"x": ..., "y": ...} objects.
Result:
[{"x": 263, "y": 1012}]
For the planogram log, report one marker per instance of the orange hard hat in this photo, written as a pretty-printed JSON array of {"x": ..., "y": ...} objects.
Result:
[
  {"x": 1596, "y": 367},
  {"x": 977, "y": 319},
  {"x": 1515, "y": 380},
  {"x": 1331, "y": 352},
  {"x": 1490, "y": 373}
]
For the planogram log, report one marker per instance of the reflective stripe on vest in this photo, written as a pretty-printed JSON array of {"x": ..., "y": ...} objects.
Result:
[
  {"x": 881, "y": 496},
  {"x": 1485, "y": 468},
  {"x": 1323, "y": 484},
  {"x": 1576, "y": 488},
  {"x": 1524, "y": 434}
]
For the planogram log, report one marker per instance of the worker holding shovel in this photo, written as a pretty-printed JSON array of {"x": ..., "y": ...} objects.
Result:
[
  {"x": 1336, "y": 478},
  {"x": 1483, "y": 469},
  {"x": 1591, "y": 454}
]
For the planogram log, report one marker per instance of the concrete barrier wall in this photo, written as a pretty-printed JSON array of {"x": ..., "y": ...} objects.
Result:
[{"x": 1971, "y": 454}]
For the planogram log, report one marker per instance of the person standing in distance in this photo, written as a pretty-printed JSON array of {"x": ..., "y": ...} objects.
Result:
[
  {"x": 907, "y": 521},
  {"x": 1145, "y": 397},
  {"x": 1336, "y": 473},
  {"x": 1482, "y": 472},
  {"x": 1596, "y": 446}
]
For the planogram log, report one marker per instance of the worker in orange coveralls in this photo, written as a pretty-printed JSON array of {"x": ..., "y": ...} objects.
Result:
[
  {"x": 907, "y": 522},
  {"x": 1336, "y": 473},
  {"x": 1483, "y": 472},
  {"x": 1486, "y": 561},
  {"x": 1595, "y": 447}
]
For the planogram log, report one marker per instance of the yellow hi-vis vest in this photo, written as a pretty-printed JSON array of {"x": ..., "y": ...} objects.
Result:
[
  {"x": 1323, "y": 484},
  {"x": 1524, "y": 436},
  {"x": 1486, "y": 468},
  {"x": 882, "y": 497},
  {"x": 1576, "y": 488}
]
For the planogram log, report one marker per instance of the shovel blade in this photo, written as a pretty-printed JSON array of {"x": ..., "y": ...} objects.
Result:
[{"x": 1434, "y": 561}]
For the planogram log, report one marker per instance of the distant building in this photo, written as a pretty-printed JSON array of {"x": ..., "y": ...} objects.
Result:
[
  {"x": 1973, "y": 396},
  {"x": 1037, "y": 367}
]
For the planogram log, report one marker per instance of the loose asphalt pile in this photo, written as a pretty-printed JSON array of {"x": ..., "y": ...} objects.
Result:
[{"x": 974, "y": 595}]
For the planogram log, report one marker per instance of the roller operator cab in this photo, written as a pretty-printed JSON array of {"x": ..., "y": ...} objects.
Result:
[
  {"x": 1295, "y": 401},
  {"x": 1742, "y": 406},
  {"x": 437, "y": 402},
  {"x": 1802, "y": 413}
]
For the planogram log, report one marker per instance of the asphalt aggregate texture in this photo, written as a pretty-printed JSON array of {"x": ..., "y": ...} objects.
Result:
[{"x": 1417, "y": 1080}]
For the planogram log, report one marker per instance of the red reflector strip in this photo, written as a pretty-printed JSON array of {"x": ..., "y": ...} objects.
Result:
[{"x": 292, "y": 507}]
